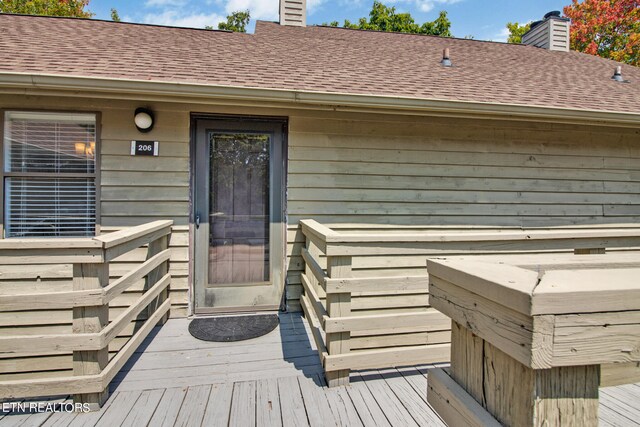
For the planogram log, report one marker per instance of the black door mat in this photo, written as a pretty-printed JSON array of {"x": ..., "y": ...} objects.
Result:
[{"x": 233, "y": 328}]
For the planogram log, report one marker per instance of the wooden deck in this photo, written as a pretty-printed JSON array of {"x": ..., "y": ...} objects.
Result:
[{"x": 273, "y": 380}]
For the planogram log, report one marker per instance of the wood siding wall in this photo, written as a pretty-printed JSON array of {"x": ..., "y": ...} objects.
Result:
[
  {"x": 139, "y": 189},
  {"x": 453, "y": 172},
  {"x": 348, "y": 168},
  {"x": 133, "y": 191}
]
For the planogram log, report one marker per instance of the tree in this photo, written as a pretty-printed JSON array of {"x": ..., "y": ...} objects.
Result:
[
  {"x": 606, "y": 28},
  {"x": 516, "y": 31},
  {"x": 384, "y": 18},
  {"x": 236, "y": 22},
  {"x": 115, "y": 17},
  {"x": 71, "y": 8}
]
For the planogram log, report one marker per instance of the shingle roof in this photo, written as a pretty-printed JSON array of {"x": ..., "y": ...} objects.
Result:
[{"x": 317, "y": 59}]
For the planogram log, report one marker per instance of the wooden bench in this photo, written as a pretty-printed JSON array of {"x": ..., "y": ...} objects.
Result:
[{"x": 528, "y": 344}]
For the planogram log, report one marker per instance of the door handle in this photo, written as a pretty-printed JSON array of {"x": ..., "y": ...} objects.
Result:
[{"x": 197, "y": 221}]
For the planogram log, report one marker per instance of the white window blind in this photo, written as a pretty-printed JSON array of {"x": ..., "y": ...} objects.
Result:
[{"x": 49, "y": 174}]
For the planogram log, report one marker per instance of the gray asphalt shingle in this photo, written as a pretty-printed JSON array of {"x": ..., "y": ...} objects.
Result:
[{"x": 317, "y": 59}]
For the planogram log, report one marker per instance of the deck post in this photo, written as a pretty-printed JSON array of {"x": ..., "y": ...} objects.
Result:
[
  {"x": 517, "y": 395},
  {"x": 338, "y": 305},
  {"x": 155, "y": 247},
  {"x": 90, "y": 320}
]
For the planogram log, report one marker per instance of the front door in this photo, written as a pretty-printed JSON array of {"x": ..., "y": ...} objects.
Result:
[{"x": 238, "y": 216}]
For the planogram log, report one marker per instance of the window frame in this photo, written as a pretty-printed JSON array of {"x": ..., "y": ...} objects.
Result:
[{"x": 95, "y": 175}]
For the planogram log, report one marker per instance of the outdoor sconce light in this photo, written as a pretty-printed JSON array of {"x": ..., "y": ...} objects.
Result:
[{"x": 144, "y": 120}]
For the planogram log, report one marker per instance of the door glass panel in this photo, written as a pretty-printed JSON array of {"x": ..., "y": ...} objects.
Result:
[{"x": 239, "y": 208}]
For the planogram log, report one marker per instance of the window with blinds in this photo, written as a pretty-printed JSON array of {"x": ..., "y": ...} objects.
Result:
[{"x": 49, "y": 174}]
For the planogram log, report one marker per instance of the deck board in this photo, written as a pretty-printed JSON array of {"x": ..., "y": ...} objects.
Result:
[
  {"x": 218, "y": 406},
  {"x": 62, "y": 419},
  {"x": 318, "y": 411},
  {"x": 344, "y": 412},
  {"x": 143, "y": 410},
  {"x": 415, "y": 378},
  {"x": 406, "y": 394},
  {"x": 624, "y": 402},
  {"x": 92, "y": 418},
  {"x": 268, "y": 412},
  {"x": 368, "y": 409},
  {"x": 29, "y": 418},
  {"x": 273, "y": 380},
  {"x": 193, "y": 407},
  {"x": 243, "y": 404},
  {"x": 120, "y": 409},
  {"x": 291, "y": 403},
  {"x": 167, "y": 410},
  {"x": 609, "y": 417},
  {"x": 395, "y": 411}
]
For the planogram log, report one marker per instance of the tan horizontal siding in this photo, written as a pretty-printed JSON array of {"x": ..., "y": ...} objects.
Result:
[
  {"x": 511, "y": 175},
  {"x": 455, "y": 158},
  {"x": 355, "y": 168},
  {"x": 437, "y": 167},
  {"x": 138, "y": 189},
  {"x": 444, "y": 172}
]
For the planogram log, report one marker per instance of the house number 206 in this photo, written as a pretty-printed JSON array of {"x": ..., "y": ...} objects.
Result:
[{"x": 144, "y": 148}]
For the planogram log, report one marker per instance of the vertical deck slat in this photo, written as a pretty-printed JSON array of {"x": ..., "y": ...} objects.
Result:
[
  {"x": 338, "y": 305},
  {"x": 90, "y": 320},
  {"x": 156, "y": 274}
]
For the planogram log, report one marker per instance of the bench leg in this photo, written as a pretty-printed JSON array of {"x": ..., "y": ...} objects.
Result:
[{"x": 517, "y": 395}]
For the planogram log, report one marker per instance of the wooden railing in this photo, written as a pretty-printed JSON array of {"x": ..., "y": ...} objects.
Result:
[
  {"x": 89, "y": 299},
  {"x": 363, "y": 320}
]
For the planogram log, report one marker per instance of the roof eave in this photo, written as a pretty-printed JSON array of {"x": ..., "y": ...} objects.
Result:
[{"x": 203, "y": 93}]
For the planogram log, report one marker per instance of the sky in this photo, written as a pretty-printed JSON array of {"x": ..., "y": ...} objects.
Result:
[{"x": 482, "y": 19}]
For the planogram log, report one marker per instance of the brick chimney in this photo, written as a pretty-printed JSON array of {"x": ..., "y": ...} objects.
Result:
[
  {"x": 293, "y": 12},
  {"x": 551, "y": 33}
]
